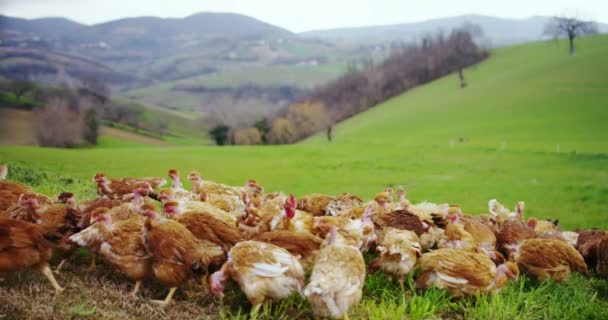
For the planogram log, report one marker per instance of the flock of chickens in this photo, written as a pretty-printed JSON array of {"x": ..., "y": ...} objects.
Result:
[{"x": 266, "y": 241}]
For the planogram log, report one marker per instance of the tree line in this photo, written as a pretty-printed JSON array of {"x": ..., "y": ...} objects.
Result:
[{"x": 361, "y": 88}]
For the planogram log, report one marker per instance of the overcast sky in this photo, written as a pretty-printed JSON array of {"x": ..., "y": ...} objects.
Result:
[{"x": 303, "y": 15}]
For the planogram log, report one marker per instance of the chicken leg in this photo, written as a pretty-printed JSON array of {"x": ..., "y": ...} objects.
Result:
[
  {"x": 93, "y": 261},
  {"x": 254, "y": 311},
  {"x": 58, "y": 269},
  {"x": 136, "y": 288},
  {"x": 168, "y": 299},
  {"x": 46, "y": 270}
]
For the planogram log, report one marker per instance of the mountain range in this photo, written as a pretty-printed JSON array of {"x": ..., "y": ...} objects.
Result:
[{"x": 211, "y": 60}]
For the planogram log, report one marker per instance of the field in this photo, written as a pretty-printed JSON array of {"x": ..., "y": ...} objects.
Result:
[{"x": 529, "y": 126}]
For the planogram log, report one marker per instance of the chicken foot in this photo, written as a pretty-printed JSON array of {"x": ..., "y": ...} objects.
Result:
[
  {"x": 168, "y": 299},
  {"x": 46, "y": 270}
]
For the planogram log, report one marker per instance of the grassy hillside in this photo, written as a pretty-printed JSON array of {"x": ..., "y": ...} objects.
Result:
[
  {"x": 520, "y": 105},
  {"x": 530, "y": 97}
]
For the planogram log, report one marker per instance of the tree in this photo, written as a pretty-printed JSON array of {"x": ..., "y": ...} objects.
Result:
[
  {"x": 90, "y": 126},
  {"x": 462, "y": 47},
  {"x": 282, "y": 131},
  {"x": 264, "y": 127},
  {"x": 220, "y": 134},
  {"x": 247, "y": 136},
  {"x": 570, "y": 27},
  {"x": 21, "y": 87},
  {"x": 161, "y": 126}
]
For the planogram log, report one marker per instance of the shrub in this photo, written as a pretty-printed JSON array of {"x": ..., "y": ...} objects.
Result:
[{"x": 247, "y": 136}]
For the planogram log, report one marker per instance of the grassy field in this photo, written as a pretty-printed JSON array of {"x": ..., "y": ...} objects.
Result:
[{"x": 530, "y": 126}]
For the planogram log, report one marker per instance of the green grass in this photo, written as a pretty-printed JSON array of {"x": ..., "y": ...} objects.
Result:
[
  {"x": 519, "y": 106},
  {"x": 112, "y": 142}
]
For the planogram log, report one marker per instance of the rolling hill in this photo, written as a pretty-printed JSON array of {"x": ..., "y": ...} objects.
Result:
[
  {"x": 529, "y": 126},
  {"x": 497, "y": 31}
]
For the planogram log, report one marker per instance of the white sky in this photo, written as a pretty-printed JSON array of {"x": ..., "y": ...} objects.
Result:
[{"x": 303, "y": 15}]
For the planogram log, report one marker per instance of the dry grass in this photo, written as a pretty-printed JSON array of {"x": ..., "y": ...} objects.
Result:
[{"x": 98, "y": 294}]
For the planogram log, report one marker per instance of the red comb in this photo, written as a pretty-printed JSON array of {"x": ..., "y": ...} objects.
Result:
[{"x": 292, "y": 201}]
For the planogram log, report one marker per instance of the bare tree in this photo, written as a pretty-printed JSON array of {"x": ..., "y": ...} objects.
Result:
[
  {"x": 570, "y": 27},
  {"x": 21, "y": 87}
]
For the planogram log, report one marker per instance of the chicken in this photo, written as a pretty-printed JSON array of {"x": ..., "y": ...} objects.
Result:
[
  {"x": 511, "y": 234},
  {"x": 588, "y": 245},
  {"x": 344, "y": 202},
  {"x": 91, "y": 237},
  {"x": 502, "y": 214},
  {"x": 177, "y": 188},
  {"x": 23, "y": 245},
  {"x": 403, "y": 202},
  {"x": 119, "y": 188},
  {"x": 456, "y": 237},
  {"x": 205, "y": 226},
  {"x": 263, "y": 271},
  {"x": 11, "y": 191},
  {"x": 359, "y": 233},
  {"x": 399, "y": 252},
  {"x": 542, "y": 226},
  {"x": 602, "y": 258},
  {"x": 175, "y": 251},
  {"x": 3, "y": 172},
  {"x": 463, "y": 273},
  {"x": 85, "y": 209},
  {"x": 315, "y": 203},
  {"x": 123, "y": 247},
  {"x": 303, "y": 245},
  {"x": 548, "y": 259},
  {"x": 228, "y": 198},
  {"x": 57, "y": 221},
  {"x": 426, "y": 211},
  {"x": 279, "y": 213},
  {"x": 399, "y": 219},
  {"x": 485, "y": 239},
  {"x": 336, "y": 282}
]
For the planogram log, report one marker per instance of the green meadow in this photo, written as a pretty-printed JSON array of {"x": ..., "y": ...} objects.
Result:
[{"x": 530, "y": 125}]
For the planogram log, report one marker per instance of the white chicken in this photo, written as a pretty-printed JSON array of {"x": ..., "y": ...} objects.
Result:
[
  {"x": 336, "y": 283},
  {"x": 263, "y": 271}
]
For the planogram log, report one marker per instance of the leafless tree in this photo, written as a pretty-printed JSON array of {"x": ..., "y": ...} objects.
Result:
[
  {"x": 58, "y": 125},
  {"x": 570, "y": 27}
]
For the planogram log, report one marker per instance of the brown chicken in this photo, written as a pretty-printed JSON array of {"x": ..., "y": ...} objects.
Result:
[
  {"x": 120, "y": 187},
  {"x": 23, "y": 245},
  {"x": 512, "y": 233},
  {"x": 303, "y": 245},
  {"x": 123, "y": 247},
  {"x": 205, "y": 226},
  {"x": 175, "y": 252},
  {"x": 399, "y": 252},
  {"x": 263, "y": 271},
  {"x": 548, "y": 259},
  {"x": 456, "y": 237},
  {"x": 602, "y": 258},
  {"x": 485, "y": 239},
  {"x": 86, "y": 208},
  {"x": 57, "y": 221},
  {"x": 399, "y": 219},
  {"x": 336, "y": 282},
  {"x": 463, "y": 273},
  {"x": 589, "y": 245},
  {"x": 315, "y": 203},
  {"x": 278, "y": 213}
]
